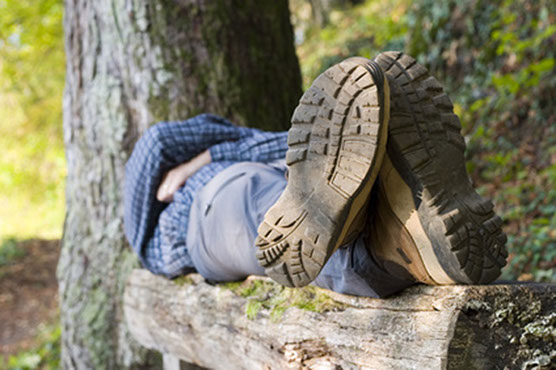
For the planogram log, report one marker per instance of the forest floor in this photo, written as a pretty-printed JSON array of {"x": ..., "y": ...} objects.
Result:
[{"x": 28, "y": 295}]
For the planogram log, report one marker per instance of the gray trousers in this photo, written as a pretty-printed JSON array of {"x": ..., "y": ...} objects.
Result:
[{"x": 223, "y": 225}]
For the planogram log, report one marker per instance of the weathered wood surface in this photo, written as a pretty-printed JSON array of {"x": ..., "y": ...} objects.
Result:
[{"x": 459, "y": 327}]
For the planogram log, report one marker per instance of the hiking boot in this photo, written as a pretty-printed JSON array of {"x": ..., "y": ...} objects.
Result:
[
  {"x": 336, "y": 145},
  {"x": 448, "y": 234}
]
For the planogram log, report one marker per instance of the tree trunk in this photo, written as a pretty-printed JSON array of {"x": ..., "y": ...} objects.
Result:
[{"x": 130, "y": 64}]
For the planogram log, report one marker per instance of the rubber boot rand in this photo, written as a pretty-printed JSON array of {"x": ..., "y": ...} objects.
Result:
[
  {"x": 336, "y": 144},
  {"x": 445, "y": 224}
]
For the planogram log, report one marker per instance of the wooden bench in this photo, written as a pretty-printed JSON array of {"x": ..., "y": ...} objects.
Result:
[{"x": 258, "y": 324}]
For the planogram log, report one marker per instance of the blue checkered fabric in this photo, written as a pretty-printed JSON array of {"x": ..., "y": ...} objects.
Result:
[{"x": 157, "y": 231}]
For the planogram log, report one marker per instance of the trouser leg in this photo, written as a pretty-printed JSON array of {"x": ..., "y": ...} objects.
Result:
[
  {"x": 352, "y": 270},
  {"x": 224, "y": 217},
  {"x": 223, "y": 226}
]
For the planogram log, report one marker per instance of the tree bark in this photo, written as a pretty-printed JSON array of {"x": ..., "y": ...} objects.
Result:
[
  {"x": 424, "y": 327},
  {"x": 132, "y": 63}
]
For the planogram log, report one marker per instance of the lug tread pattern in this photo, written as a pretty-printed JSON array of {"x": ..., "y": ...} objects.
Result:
[
  {"x": 335, "y": 128},
  {"x": 422, "y": 116}
]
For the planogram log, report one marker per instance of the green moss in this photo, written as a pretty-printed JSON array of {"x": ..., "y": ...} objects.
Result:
[
  {"x": 232, "y": 285},
  {"x": 183, "y": 280},
  {"x": 252, "y": 309},
  {"x": 97, "y": 323},
  {"x": 276, "y": 299}
]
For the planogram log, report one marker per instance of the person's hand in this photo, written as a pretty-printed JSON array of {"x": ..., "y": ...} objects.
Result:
[
  {"x": 177, "y": 176},
  {"x": 172, "y": 181}
]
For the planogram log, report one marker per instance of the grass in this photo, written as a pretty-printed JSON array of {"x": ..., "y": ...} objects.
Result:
[
  {"x": 45, "y": 355},
  {"x": 10, "y": 251}
]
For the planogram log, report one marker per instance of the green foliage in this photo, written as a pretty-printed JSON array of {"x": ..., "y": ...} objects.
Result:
[
  {"x": 9, "y": 251},
  {"x": 32, "y": 165},
  {"x": 497, "y": 60},
  {"x": 45, "y": 355},
  {"x": 363, "y": 30},
  {"x": 276, "y": 298}
]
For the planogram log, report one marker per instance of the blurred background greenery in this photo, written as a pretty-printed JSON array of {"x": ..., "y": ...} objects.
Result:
[
  {"x": 32, "y": 165},
  {"x": 497, "y": 59}
]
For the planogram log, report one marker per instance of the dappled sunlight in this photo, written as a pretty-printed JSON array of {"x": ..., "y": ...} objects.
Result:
[
  {"x": 32, "y": 175},
  {"x": 496, "y": 61},
  {"x": 497, "y": 64},
  {"x": 32, "y": 165}
]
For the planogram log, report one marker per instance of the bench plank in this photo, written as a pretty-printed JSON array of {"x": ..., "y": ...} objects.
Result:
[{"x": 424, "y": 327}]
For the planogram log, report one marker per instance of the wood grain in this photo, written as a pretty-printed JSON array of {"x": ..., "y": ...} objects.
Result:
[{"x": 454, "y": 327}]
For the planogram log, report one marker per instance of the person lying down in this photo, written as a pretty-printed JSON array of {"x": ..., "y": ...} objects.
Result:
[{"x": 366, "y": 194}]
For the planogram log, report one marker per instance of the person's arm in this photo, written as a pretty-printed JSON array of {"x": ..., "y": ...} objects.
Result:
[
  {"x": 173, "y": 143},
  {"x": 177, "y": 176},
  {"x": 254, "y": 145},
  {"x": 161, "y": 148},
  {"x": 258, "y": 146}
]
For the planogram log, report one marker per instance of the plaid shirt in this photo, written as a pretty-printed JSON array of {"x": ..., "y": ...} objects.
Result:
[{"x": 157, "y": 231}]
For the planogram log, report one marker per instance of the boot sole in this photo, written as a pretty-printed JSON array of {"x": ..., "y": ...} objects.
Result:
[
  {"x": 336, "y": 144},
  {"x": 427, "y": 149}
]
